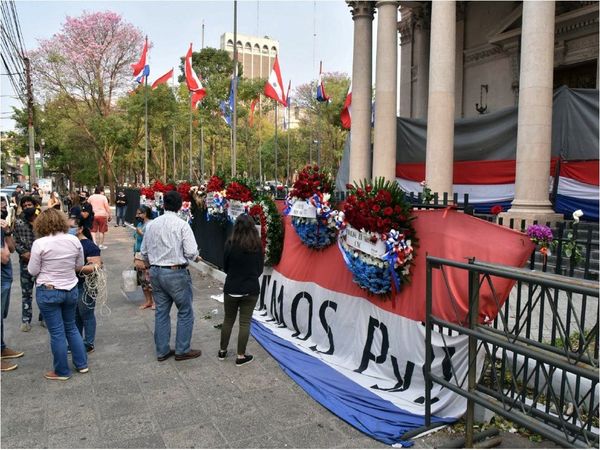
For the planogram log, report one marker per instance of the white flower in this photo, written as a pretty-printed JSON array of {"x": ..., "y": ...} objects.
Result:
[{"x": 576, "y": 215}]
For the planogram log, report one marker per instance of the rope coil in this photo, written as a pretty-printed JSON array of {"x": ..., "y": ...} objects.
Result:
[{"x": 95, "y": 290}]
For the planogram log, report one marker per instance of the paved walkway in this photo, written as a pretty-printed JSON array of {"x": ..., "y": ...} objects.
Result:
[{"x": 129, "y": 400}]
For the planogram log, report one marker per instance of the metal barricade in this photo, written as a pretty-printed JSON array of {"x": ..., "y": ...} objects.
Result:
[{"x": 540, "y": 366}]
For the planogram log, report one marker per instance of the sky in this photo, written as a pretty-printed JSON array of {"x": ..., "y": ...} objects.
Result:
[{"x": 172, "y": 25}]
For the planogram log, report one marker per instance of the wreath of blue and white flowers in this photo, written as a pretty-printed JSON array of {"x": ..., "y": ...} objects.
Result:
[
  {"x": 318, "y": 232},
  {"x": 378, "y": 275}
]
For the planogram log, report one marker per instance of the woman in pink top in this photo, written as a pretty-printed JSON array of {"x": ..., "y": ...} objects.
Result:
[
  {"x": 55, "y": 258},
  {"x": 101, "y": 216}
]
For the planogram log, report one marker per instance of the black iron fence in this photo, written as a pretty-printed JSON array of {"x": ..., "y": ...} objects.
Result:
[{"x": 540, "y": 354}]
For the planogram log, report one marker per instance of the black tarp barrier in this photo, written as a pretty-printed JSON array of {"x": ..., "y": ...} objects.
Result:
[
  {"x": 133, "y": 203},
  {"x": 210, "y": 236}
]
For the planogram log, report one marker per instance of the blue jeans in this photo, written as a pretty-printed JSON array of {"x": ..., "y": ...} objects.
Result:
[
  {"x": 85, "y": 317},
  {"x": 168, "y": 287},
  {"x": 121, "y": 211},
  {"x": 58, "y": 308},
  {"x": 6, "y": 284}
]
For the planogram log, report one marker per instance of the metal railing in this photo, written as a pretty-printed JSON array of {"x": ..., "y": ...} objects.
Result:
[{"x": 540, "y": 364}]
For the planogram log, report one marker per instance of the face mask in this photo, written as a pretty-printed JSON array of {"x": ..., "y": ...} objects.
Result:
[
  {"x": 73, "y": 231},
  {"x": 4, "y": 214},
  {"x": 29, "y": 213}
]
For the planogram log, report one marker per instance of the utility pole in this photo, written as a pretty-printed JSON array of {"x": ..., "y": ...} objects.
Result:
[
  {"x": 234, "y": 81},
  {"x": 30, "y": 130}
]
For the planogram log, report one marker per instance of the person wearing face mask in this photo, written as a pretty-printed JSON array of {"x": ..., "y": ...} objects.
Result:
[
  {"x": 85, "y": 317},
  {"x": 24, "y": 238},
  {"x": 143, "y": 216},
  {"x": 7, "y": 244},
  {"x": 121, "y": 207},
  {"x": 86, "y": 210}
]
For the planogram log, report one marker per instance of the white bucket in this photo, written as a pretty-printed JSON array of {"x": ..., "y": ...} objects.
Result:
[{"x": 129, "y": 280}]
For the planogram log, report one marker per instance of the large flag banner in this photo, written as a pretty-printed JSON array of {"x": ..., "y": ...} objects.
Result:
[
  {"x": 274, "y": 85},
  {"x": 144, "y": 74},
  {"x": 346, "y": 114},
  {"x": 166, "y": 77},
  {"x": 227, "y": 106},
  {"x": 141, "y": 64},
  {"x": 193, "y": 81},
  {"x": 362, "y": 356},
  {"x": 321, "y": 95}
]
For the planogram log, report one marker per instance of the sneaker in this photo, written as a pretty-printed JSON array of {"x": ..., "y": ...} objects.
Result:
[
  {"x": 116, "y": 225},
  {"x": 123, "y": 225},
  {"x": 9, "y": 353},
  {"x": 25, "y": 327},
  {"x": 83, "y": 370},
  {"x": 222, "y": 355},
  {"x": 245, "y": 360},
  {"x": 102, "y": 247},
  {"x": 89, "y": 348},
  {"x": 52, "y": 376},
  {"x": 7, "y": 366}
]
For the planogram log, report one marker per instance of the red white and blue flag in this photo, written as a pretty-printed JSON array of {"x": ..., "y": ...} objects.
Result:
[
  {"x": 321, "y": 95},
  {"x": 161, "y": 80},
  {"x": 274, "y": 86},
  {"x": 141, "y": 69},
  {"x": 193, "y": 81},
  {"x": 346, "y": 114},
  {"x": 362, "y": 356}
]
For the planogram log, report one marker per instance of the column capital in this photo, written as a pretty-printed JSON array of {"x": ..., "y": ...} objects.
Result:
[
  {"x": 361, "y": 9},
  {"x": 380, "y": 3}
]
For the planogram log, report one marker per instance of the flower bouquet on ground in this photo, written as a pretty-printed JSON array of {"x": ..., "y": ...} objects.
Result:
[
  {"x": 377, "y": 237},
  {"x": 216, "y": 203},
  {"x": 308, "y": 205},
  {"x": 271, "y": 228},
  {"x": 240, "y": 195}
]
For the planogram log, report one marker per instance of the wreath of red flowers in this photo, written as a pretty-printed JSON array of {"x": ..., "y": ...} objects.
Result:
[
  {"x": 184, "y": 191},
  {"x": 237, "y": 191},
  {"x": 215, "y": 183},
  {"x": 310, "y": 181},
  {"x": 378, "y": 208},
  {"x": 148, "y": 192},
  {"x": 257, "y": 211}
]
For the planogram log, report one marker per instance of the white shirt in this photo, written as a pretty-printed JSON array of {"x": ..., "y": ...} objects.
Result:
[
  {"x": 54, "y": 260},
  {"x": 168, "y": 241}
]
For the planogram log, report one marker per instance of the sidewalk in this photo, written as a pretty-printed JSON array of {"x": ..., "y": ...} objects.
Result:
[{"x": 129, "y": 400}]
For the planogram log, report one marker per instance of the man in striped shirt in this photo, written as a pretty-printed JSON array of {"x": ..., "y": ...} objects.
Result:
[{"x": 168, "y": 246}]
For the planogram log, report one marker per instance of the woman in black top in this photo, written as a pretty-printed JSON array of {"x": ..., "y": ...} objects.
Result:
[{"x": 243, "y": 264}]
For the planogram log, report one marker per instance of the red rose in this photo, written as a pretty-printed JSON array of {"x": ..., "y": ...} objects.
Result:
[
  {"x": 388, "y": 211},
  {"x": 368, "y": 188},
  {"x": 376, "y": 208}
]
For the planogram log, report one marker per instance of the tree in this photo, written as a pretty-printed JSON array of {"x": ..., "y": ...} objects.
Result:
[{"x": 88, "y": 64}]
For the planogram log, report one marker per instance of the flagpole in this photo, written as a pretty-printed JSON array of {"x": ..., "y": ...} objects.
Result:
[
  {"x": 234, "y": 81},
  {"x": 174, "y": 162},
  {"x": 288, "y": 141},
  {"x": 260, "y": 171},
  {"x": 276, "y": 144},
  {"x": 190, "y": 156},
  {"x": 146, "y": 181}
]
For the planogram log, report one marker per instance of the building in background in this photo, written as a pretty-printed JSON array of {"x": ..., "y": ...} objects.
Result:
[{"x": 256, "y": 54}]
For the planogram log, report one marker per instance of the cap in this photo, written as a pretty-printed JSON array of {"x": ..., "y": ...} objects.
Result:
[{"x": 75, "y": 212}]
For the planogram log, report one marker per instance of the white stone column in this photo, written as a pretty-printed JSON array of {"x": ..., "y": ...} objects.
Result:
[
  {"x": 440, "y": 110},
  {"x": 386, "y": 90},
  {"x": 534, "y": 132},
  {"x": 360, "y": 132}
]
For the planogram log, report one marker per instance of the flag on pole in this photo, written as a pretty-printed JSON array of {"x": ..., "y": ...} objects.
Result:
[
  {"x": 141, "y": 64},
  {"x": 193, "y": 81},
  {"x": 143, "y": 75},
  {"x": 252, "y": 107},
  {"x": 227, "y": 107},
  {"x": 166, "y": 77},
  {"x": 346, "y": 114},
  {"x": 274, "y": 86},
  {"x": 321, "y": 95},
  {"x": 288, "y": 99}
]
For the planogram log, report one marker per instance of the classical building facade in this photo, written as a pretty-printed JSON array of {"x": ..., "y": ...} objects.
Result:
[
  {"x": 256, "y": 54},
  {"x": 462, "y": 59},
  {"x": 488, "y": 55}
]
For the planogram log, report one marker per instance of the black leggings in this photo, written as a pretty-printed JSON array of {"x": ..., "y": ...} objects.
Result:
[{"x": 245, "y": 305}]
